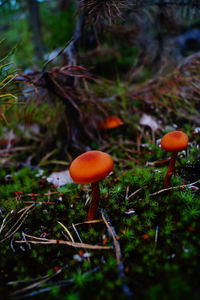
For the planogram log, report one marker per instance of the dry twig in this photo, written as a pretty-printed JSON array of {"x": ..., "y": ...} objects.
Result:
[
  {"x": 35, "y": 284},
  {"x": 174, "y": 187},
  {"x": 134, "y": 193},
  {"x": 36, "y": 240},
  {"x": 118, "y": 254}
]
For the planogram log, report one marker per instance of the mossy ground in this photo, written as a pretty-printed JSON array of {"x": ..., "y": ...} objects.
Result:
[{"x": 158, "y": 234}]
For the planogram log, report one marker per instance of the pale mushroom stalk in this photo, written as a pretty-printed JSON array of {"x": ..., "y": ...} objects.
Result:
[{"x": 94, "y": 202}]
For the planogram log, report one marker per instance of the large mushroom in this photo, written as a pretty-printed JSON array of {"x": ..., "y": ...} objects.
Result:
[
  {"x": 90, "y": 167},
  {"x": 173, "y": 142}
]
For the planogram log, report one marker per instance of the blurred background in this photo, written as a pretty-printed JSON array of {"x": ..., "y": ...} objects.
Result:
[
  {"x": 34, "y": 28},
  {"x": 83, "y": 61},
  {"x": 37, "y": 29}
]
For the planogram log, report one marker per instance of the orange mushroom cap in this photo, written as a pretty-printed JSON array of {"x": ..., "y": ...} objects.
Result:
[
  {"x": 90, "y": 167},
  {"x": 174, "y": 141},
  {"x": 110, "y": 122}
]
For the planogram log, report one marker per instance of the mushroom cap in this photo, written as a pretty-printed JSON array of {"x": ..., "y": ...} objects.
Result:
[
  {"x": 174, "y": 141},
  {"x": 90, "y": 167},
  {"x": 110, "y": 122}
]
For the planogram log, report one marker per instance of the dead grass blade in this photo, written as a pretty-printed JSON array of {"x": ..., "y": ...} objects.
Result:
[
  {"x": 4, "y": 222},
  {"x": 67, "y": 230},
  {"x": 76, "y": 231}
]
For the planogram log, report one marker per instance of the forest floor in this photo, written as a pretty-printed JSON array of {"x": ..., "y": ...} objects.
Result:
[{"x": 144, "y": 243}]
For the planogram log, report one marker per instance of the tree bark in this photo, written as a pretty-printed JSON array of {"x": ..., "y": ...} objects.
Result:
[
  {"x": 64, "y": 4},
  {"x": 35, "y": 22}
]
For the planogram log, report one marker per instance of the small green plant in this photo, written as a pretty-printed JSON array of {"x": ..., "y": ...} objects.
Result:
[{"x": 7, "y": 85}]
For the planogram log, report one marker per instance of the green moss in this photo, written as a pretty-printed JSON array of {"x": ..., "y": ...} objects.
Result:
[{"x": 158, "y": 234}]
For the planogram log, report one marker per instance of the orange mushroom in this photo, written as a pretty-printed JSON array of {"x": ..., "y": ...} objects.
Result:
[
  {"x": 173, "y": 142},
  {"x": 110, "y": 122},
  {"x": 90, "y": 167}
]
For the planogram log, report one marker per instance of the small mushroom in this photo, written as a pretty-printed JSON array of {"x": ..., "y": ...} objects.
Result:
[
  {"x": 90, "y": 167},
  {"x": 110, "y": 123},
  {"x": 173, "y": 142}
]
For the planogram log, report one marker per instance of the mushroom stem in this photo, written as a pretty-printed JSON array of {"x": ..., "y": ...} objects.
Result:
[
  {"x": 170, "y": 170},
  {"x": 95, "y": 201}
]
